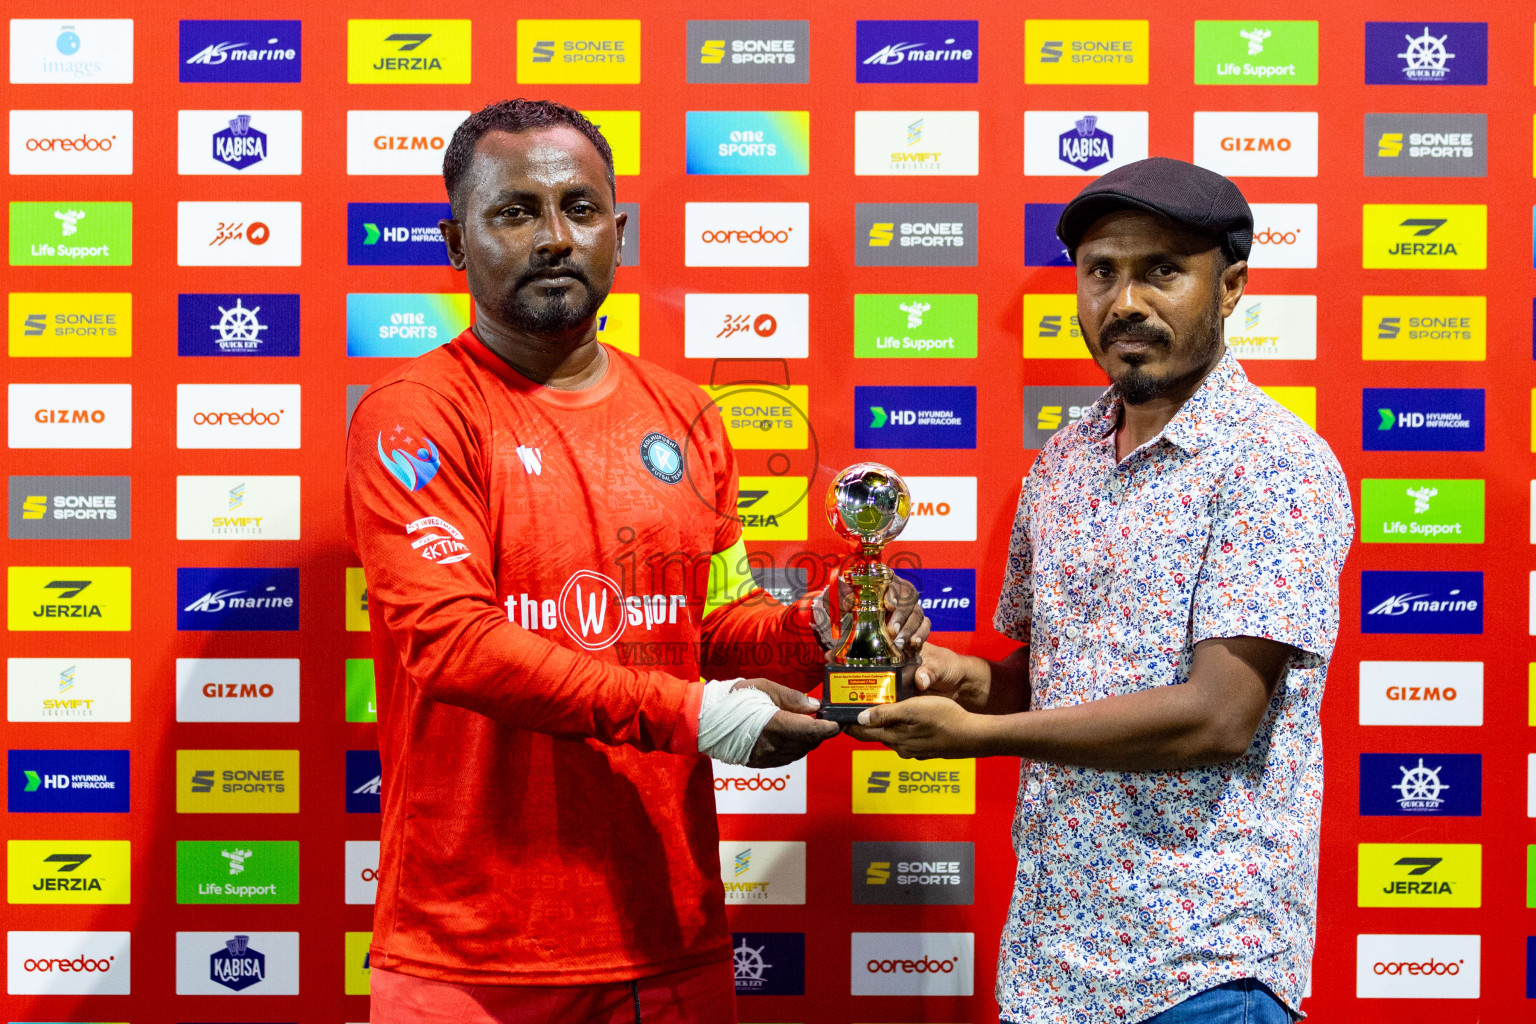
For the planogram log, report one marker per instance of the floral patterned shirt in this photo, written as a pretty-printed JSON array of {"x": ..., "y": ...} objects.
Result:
[{"x": 1137, "y": 890}]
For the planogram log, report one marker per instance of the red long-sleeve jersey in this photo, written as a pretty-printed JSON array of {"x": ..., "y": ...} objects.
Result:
[{"x": 547, "y": 818}]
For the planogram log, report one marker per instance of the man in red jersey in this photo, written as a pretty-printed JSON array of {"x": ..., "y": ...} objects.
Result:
[{"x": 536, "y": 513}]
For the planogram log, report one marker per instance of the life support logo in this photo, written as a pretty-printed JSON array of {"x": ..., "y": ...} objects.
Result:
[
  {"x": 662, "y": 456},
  {"x": 411, "y": 471}
]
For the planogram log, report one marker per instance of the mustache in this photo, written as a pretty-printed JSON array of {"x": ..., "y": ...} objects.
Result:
[
  {"x": 1134, "y": 330},
  {"x": 569, "y": 269}
]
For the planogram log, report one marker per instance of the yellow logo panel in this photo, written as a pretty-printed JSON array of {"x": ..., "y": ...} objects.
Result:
[
  {"x": 1075, "y": 52},
  {"x": 1449, "y": 328},
  {"x": 622, "y": 130},
  {"x": 885, "y": 783},
  {"x": 409, "y": 51},
  {"x": 763, "y": 416},
  {"x": 1051, "y": 329},
  {"x": 1404, "y": 236},
  {"x": 772, "y": 507},
  {"x": 357, "y": 971},
  {"x": 88, "y": 324},
  {"x": 68, "y": 597},
  {"x": 1421, "y": 875},
  {"x": 67, "y": 871},
  {"x": 1301, "y": 401},
  {"x": 237, "y": 782},
  {"x": 618, "y": 322},
  {"x": 357, "y": 601},
  {"x": 551, "y": 51}
]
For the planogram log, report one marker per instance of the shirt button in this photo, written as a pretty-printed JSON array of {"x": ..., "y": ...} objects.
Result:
[
  {"x": 1026, "y": 867},
  {"x": 1033, "y": 788},
  {"x": 1071, "y": 631}
]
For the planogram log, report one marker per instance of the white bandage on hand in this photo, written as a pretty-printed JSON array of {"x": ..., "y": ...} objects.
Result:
[{"x": 730, "y": 721}]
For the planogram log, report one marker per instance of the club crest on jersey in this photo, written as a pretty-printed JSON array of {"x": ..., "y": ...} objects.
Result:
[
  {"x": 412, "y": 471},
  {"x": 662, "y": 456}
]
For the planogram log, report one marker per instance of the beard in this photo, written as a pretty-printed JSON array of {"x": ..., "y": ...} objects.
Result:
[
  {"x": 1137, "y": 386},
  {"x": 557, "y": 312}
]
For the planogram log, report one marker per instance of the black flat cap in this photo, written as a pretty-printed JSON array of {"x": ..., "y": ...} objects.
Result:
[{"x": 1186, "y": 194}]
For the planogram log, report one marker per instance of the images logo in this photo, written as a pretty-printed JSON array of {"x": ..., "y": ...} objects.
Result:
[
  {"x": 364, "y": 781},
  {"x": 947, "y": 595},
  {"x": 908, "y": 326},
  {"x": 776, "y": 52},
  {"x": 756, "y": 326},
  {"x": 71, "y": 234},
  {"x": 1255, "y": 53},
  {"x": 747, "y": 234},
  {"x": 67, "y": 871},
  {"x": 1422, "y": 419},
  {"x": 915, "y": 142},
  {"x": 67, "y": 781},
  {"x": 1077, "y": 52},
  {"x": 237, "y": 599},
  {"x": 914, "y": 417},
  {"x": 68, "y": 963},
  {"x": 399, "y": 141},
  {"x": 1441, "y": 328},
  {"x": 1421, "y": 875},
  {"x": 408, "y": 52},
  {"x": 913, "y": 963},
  {"x": 244, "y": 872},
  {"x": 914, "y": 873},
  {"x": 1426, "y": 145},
  {"x": 71, "y": 142},
  {"x": 243, "y": 324},
  {"x": 237, "y": 689},
  {"x": 1421, "y": 785},
  {"x": 240, "y": 142},
  {"x": 1417, "y": 511},
  {"x": 1417, "y": 235},
  {"x": 762, "y": 872},
  {"x": 238, "y": 234},
  {"x": 237, "y": 781},
  {"x": 749, "y": 142},
  {"x": 1421, "y": 602},
  {"x": 241, "y": 51},
  {"x": 915, "y": 234},
  {"x": 68, "y": 598},
  {"x": 578, "y": 50},
  {"x": 769, "y": 963},
  {"x": 1258, "y": 144},
  {"x": 749, "y": 791},
  {"x": 1426, "y": 53},
  {"x": 70, "y": 508},
  {"x": 917, "y": 51},
  {"x": 885, "y": 784},
  {"x": 396, "y": 234},
  {"x": 80, "y": 51},
  {"x": 83, "y": 324},
  {"x": 248, "y": 416},
  {"x": 221, "y": 964},
  {"x": 1421, "y": 693}
]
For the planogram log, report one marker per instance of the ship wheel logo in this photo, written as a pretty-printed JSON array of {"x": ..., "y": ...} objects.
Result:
[
  {"x": 1426, "y": 55},
  {"x": 749, "y": 964},
  {"x": 1421, "y": 787},
  {"x": 238, "y": 327}
]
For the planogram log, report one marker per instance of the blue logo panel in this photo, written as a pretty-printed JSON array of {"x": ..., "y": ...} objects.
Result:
[
  {"x": 769, "y": 963},
  {"x": 237, "y": 325},
  {"x": 241, "y": 51},
  {"x": 1422, "y": 420},
  {"x": 1421, "y": 602},
  {"x": 914, "y": 417},
  {"x": 237, "y": 599},
  {"x": 67, "y": 781},
  {"x": 1426, "y": 53},
  {"x": 1530, "y": 967},
  {"x": 1421, "y": 785},
  {"x": 917, "y": 51},
  {"x": 364, "y": 774},
  {"x": 1041, "y": 246},
  {"x": 396, "y": 234},
  {"x": 403, "y": 324},
  {"x": 947, "y": 595}
]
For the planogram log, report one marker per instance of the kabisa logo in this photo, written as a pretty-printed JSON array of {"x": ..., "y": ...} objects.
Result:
[
  {"x": 1418, "y": 966},
  {"x": 241, "y": 51},
  {"x": 237, "y": 966},
  {"x": 917, "y": 51},
  {"x": 71, "y": 234},
  {"x": 1436, "y": 693},
  {"x": 69, "y": 597},
  {"x": 749, "y": 51},
  {"x": 365, "y": 778},
  {"x": 72, "y": 324},
  {"x": 240, "y": 146},
  {"x": 1041, "y": 246},
  {"x": 910, "y": 326},
  {"x": 1421, "y": 785},
  {"x": 1426, "y": 145},
  {"x": 1085, "y": 146},
  {"x": 662, "y": 457},
  {"x": 1420, "y": 875},
  {"x": 439, "y": 541},
  {"x": 1256, "y": 53},
  {"x": 71, "y": 142},
  {"x": 584, "y": 606},
  {"x": 1421, "y": 602},
  {"x": 913, "y": 963},
  {"x": 237, "y": 599},
  {"x": 239, "y": 142},
  {"x": 914, "y": 873},
  {"x": 915, "y": 234},
  {"x": 1425, "y": 236},
  {"x": 914, "y": 417},
  {"x": 578, "y": 50},
  {"x": 748, "y": 142},
  {"x": 79, "y": 51},
  {"x": 70, "y": 507},
  {"x": 948, "y": 596},
  {"x": 1422, "y": 419},
  {"x": 1079, "y": 143},
  {"x": 1426, "y": 53},
  {"x": 396, "y": 234},
  {"x": 241, "y": 324},
  {"x": 1074, "y": 52},
  {"x": 67, "y": 781},
  {"x": 769, "y": 963},
  {"x": 413, "y": 471},
  {"x": 408, "y": 51},
  {"x": 73, "y": 871}
]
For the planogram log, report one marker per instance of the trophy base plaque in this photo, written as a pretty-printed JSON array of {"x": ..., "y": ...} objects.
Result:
[{"x": 849, "y": 690}]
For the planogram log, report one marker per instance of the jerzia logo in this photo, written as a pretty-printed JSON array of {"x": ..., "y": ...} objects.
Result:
[{"x": 408, "y": 51}]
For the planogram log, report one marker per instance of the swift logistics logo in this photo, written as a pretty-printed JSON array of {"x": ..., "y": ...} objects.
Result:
[
  {"x": 67, "y": 781},
  {"x": 915, "y": 234},
  {"x": 69, "y": 415},
  {"x": 1082, "y": 52},
  {"x": 1264, "y": 144},
  {"x": 747, "y": 234},
  {"x": 71, "y": 234},
  {"x": 239, "y": 142},
  {"x": 1434, "y": 693},
  {"x": 749, "y": 142},
  {"x": 1256, "y": 53},
  {"x": 754, "y": 326},
  {"x": 396, "y": 234},
  {"x": 1440, "y": 328},
  {"x": 1051, "y": 327},
  {"x": 914, "y": 873},
  {"x": 1403, "y": 236},
  {"x": 948, "y": 596},
  {"x": 1080, "y": 143},
  {"x": 1419, "y": 511},
  {"x": 397, "y": 325},
  {"x": 68, "y": 963},
  {"x": 241, "y": 51},
  {"x": 237, "y": 782},
  {"x": 70, "y": 324},
  {"x": 1426, "y": 53},
  {"x": 79, "y": 51},
  {"x": 237, "y": 689},
  {"x": 1052, "y": 408},
  {"x": 913, "y": 963},
  {"x": 913, "y": 326},
  {"x": 1421, "y": 602},
  {"x": 241, "y": 872},
  {"x": 1426, "y": 145},
  {"x": 364, "y": 781},
  {"x": 916, "y": 51},
  {"x": 237, "y": 598},
  {"x": 884, "y": 783},
  {"x": 1041, "y": 246},
  {"x": 916, "y": 142},
  {"x": 237, "y": 508},
  {"x": 763, "y": 872},
  {"x": 71, "y": 142},
  {"x": 70, "y": 507},
  {"x": 390, "y": 142},
  {"x": 1420, "y": 875},
  {"x": 68, "y": 690},
  {"x": 1273, "y": 327},
  {"x": 769, "y": 963},
  {"x": 763, "y": 52},
  {"x": 237, "y": 324},
  {"x": 246, "y": 416},
  {"x": 914, "y": 417},
  {"x": 1422, "y": 419},
  {"x": 415, "y": 52},
  {"x": 1418, "y": 966},
  {"x": 71, "y": 871},
  {"x": 1421, "y": 785},
  {"x": 591, "y": 51},
  {"x": 75, "y": 598}
]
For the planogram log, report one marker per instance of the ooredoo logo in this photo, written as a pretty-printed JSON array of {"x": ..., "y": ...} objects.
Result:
[
  {"x": 747, "y": 234},
  {"x": 71, "y": 142},
  {"x": 67, "y": 963},
  {"x": 913, "y": 963},
  {"x": 1284, "y": 234},
  {"x": 749, "y": 791},
  {"x": 237, "y": 416},
  {"x": 927, "y": 965},
  {"x": 1418, "y": 966}
]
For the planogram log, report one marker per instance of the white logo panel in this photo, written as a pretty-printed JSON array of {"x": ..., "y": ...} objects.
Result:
[
  {"x": 362, "y": 872},
  {"x": 1273, "y": 327},
  {"x": 1284, "y": 235},
  {"x": 750, "y": 791},
  {"x": 67, "y": 963},
  {"x": 240, "y": 141},
  {"x": 399, "y": 141},
  {"x": 913, "y": 963},
  {"x": 69, "y": 415},
  {"x": 1421, "y": 693},
  {"x": 237, "y": 508},
  {"x": 237, "y": 689},
  {"x": 238, "y": 234},
  {"x": 68, "y": 689},
  {"x": 916, "y": 142},
  {"x": 1258, "y": 144},
  {"x": 1082, "y": 143},
  {"x": 71, "y": 142},
  {"x": 943, "y": 508},
  {"x": 237, "y": 416},
  {"x": 75, "y": 51},
  {"x": 1418, "y": 966},
  {"x": 222, "y": 964},
  {"x": 739, "y": 326},
  {"x": 747, "y": 234},
  {"x": 765, "y": 873}
]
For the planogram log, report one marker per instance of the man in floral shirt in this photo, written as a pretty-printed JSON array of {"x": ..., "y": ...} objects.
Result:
[{"x": 1173, "y": 571}]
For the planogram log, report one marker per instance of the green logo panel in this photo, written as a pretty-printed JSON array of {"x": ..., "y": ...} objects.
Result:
[
  {"x": 1416, "y": 511},
  {"x": 1255, "y": 53},
  {"x": 237, "y": 872},
  {"x": 904, "y": 326},
  {"x": 1530, "y": 876},
  {"x": 71, "y": 234},
  {"x": 362, "y": 699}
]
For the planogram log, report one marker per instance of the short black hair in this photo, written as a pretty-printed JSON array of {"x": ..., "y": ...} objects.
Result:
[{"x": 515, "y": 116}]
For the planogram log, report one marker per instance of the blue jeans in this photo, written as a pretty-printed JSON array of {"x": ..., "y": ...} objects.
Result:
[{"x": 1237, "y": 1002}]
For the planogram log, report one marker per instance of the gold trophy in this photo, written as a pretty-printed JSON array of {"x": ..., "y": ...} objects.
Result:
[{"x": 868, "y": 505}]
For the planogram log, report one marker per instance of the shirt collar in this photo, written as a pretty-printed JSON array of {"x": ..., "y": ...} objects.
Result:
[{"x": 1203, "y": 418}]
